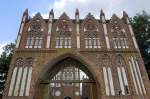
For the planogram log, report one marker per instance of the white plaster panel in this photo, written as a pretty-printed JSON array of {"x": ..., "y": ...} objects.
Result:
[
  {"x": 17, "y": 86},
  {"x": 111, "y": 81},
  {"x": 12, "y": 83},
  {"x": 28, "y": 82},
  {"x": 120, "y": 80},
  {"x": 23, "y": 82},
  {"x": 133, "y": 77},
  {"x": 136, "y": 75},
  {"x": 106, "y": 81}
]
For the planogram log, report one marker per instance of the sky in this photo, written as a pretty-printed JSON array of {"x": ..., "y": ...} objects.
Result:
[{"x": 11, "y": 11}]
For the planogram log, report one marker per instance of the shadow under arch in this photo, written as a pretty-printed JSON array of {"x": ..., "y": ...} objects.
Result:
[{"x": 89, "y": 68}]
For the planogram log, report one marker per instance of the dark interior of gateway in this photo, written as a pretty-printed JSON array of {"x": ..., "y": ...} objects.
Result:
[{"x": 68, "y": 79}]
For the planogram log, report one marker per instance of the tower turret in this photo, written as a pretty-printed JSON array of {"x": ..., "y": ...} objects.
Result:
[
  {"x": 77, "y": 15},
  {"x": 77, "y": 27},
  {"x": 24, "y": 18},
  {"x": 102, "y": 17},
  {"x": 51, "y": 16},
  {"x": 126, "y": 18}
]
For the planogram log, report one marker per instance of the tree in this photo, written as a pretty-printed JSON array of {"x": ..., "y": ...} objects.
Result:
[
  {"x": 5, "y": 59},
  {"x": 141, "y": 28},
  {"x": 7, "y": 54}
]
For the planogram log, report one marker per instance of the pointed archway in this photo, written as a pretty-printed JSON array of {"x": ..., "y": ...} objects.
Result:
[{"x": 60, "y": 64}]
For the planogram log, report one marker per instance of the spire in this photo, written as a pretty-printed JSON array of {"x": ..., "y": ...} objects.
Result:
[
  {"x": 114, "y": 15},
  {"x": 26, "y": 11},
  {"x": 51, "y": 12},
  {"x": 77, "y": 11},
  {"x": 125, "y": 17},
  {"x": 125, "y": 14},
  {"x": 102, "y": 16},
  {"x": 25, "y": 15},
  {"x": 102, "y": 13},
  {"x": 77, "y": 15},
  {"x": 89, "y": 14}
]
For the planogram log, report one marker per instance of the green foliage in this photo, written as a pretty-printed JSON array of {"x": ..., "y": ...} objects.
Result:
[
  {"x": 5, "y": 59},
  {"x": 7, "y": 54},
  {"x": 141, "y": 28}
]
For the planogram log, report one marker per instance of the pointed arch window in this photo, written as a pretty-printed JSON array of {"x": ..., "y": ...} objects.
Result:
[
  {"x": 35, "y": 34},
  {"x": 136, "y": 75},
  {"x": 16, "y": 78},
  {"x": 91, "y": 36},
  {"x": 120, "y": 39},
  {"x": 124, "y": 87},
  {"x": 21, "y": 78},
  {"x": 108, "y": 78},
  {"x": 63, "y": 36}
]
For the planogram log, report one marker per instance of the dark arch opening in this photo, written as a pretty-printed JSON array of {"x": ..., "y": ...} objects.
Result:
[
  {"x": 65, "y": 63},
  {"x": 67, "y": 98},
  {"x": 59, "y": 65}
]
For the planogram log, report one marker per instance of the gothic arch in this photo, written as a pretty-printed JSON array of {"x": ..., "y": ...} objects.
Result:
[
  {"x": 64, "y": 32},
  {"x": 36, "y": 32},
  {"x": 37, "y": 24},
  {"x": 90, "y": 67},
  {"x": 117, "y": 26},
  {"x": 122, "y": 75},
  {"x": 91, "y": 32},
  {"x": 38, "y": 18},
  {"x": 64, "y": 18},
  {"x": 91, "y": 18},
  {"x": 83, "y": 60},
  {"x": 119, "y": 33}
]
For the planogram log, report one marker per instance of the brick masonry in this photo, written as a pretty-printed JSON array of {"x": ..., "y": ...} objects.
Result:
[{"x": 45, "y": 58}]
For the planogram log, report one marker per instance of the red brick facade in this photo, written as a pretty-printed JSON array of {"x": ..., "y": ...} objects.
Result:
[{"x": 110, "y": 54}]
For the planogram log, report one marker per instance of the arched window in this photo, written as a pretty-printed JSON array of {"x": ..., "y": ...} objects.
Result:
[
  {"x": 91, "y": 36},
  {"x": 21, "y": 78},
  {"x": 26, "y": 78},
  {"x": 35, "y": 33},
  {"x": 124, "y": 87},
  {"x": 120, "y": 39},
  {"x": 108, "y": 78},
  {"x": 16, "y": 78},
  {"x": 136, "y": 75},
  {"x": 63, "y": 35}
]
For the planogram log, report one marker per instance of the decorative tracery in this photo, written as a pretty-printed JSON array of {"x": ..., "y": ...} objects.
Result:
[
  {"x": 21, "y": 77},
  {"x": 63, "y": 35},
  {"x": 120, "y": 39},
  {"x": 35, "y": 33},
  {"x": 91, "y": 35},
  {"x": 19, "y": 62}
]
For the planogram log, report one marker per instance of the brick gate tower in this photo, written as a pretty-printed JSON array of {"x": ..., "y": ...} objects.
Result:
[{"x": 76, "y": 58}]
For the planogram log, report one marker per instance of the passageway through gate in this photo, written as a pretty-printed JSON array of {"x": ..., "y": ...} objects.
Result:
[{"x": 68, "y": 79}]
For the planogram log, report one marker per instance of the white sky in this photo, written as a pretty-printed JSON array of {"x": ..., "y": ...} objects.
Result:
[
  {"x": 94, "y": 6},
  {"x": 2, "y": 44}
]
